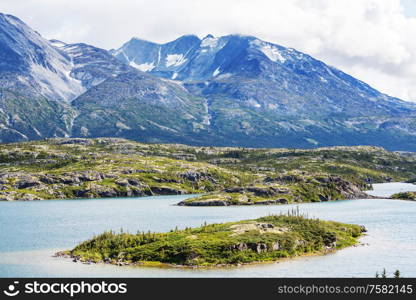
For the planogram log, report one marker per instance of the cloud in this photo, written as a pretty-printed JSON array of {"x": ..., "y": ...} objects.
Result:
[{"x": 372, "y": 40}]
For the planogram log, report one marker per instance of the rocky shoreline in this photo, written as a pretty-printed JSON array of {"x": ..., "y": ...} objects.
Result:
[
  {"x": 83, "y": 184},
  {"x": 121, "y": 263},
  {"x": 86, "y": 184}
]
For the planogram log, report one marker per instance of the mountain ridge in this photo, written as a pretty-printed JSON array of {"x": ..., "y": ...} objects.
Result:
[{"x": 233, "y": 90}]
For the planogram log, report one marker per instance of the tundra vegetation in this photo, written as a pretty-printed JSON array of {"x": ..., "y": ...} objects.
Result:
[
  {"x": 112, "y": 167},
  {"x": 411, "y": 196},
  {"x": 264, "y": 239}
]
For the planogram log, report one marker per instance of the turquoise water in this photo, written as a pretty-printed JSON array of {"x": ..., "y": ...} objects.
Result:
[{"x": 32, "y": 231}]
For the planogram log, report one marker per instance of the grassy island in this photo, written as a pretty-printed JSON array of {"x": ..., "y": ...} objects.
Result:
[
  {"x": 411, "y": 196},
  {"x": 265, "y": 239}
]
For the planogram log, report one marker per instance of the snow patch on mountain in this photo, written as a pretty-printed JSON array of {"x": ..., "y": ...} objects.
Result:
[
  {"x": 175, "y": 60},
  {"x": 146, "y": 67},
  {"x": 271, "y": 51},
  {"x": 272, "y": 106},
  {"x": 159, "y": 54},
  {"x": 210, "y": 42},
  {"x": 253, "y": 103},
  {"x": 73, "y": 50},
  {"x": 224, "y": 76}
]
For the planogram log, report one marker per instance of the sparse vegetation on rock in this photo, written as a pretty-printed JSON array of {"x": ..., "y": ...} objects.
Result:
[
  {"x": 411, "y": 196},
  {"x": 264, "y": 239},
  {"x": 111, "y": 167}
]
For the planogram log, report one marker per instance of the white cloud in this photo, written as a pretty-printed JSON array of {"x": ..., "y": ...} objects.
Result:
[{"x": 372, "y": 40}]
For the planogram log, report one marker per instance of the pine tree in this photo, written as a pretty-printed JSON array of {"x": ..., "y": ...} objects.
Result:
[
  {"x": 377, "y": 275},
  {"x": 384, "y": 274},
  {"x": 397, "y": 274}
]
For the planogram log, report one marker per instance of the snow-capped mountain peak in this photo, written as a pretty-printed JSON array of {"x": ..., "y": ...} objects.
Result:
[
  {"x": 227, "y": 90},
  {"x": 189, "y": 58}
]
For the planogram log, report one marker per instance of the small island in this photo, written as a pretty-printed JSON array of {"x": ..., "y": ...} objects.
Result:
[
  {"x": 264, "y": 239},
  {"x": 410, "y": 196},
  {"x": 293, "y": 188}
]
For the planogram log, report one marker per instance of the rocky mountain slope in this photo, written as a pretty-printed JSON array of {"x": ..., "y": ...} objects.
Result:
[
  {"x": 261, "y": 93},
  {"x": 223, "y": 91},
  {"x": 39, "y": 78},
  {"x": 91, "y": 65},
  {"x": 34, "y": 84},
  {"x": 141, "y": 107},
  {"x": 27, "y": 59}
]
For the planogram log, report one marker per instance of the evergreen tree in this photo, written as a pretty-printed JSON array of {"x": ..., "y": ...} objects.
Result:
[{"x": 397, "y": 274}]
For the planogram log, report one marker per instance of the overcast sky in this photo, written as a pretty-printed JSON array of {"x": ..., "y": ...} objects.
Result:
[{"x": 373, "y": 40}]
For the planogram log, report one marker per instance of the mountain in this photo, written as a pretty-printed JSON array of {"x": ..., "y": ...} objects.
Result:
[
  {"x": 34, "y": 84},
  {"x": 139, "y": 106},
  {"x": 39, "y": 79},
  {"x": 162, "y": 60},
  {"x": 291, "y": 83},
  {"x": 27, "y": 59},
  {"x": 91, "y": 65},
  {"x": 233, "y": 90},
  {"x": 123, "y": 101},
  {"x": 259, "y": 93}
]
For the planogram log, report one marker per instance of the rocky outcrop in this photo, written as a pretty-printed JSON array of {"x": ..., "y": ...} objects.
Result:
[
  {"x": 82, "y": 184},
  {"x": 347, "y": 189},
  {"x": 138, "y": 171},
  {"x": 279, "y": 190},
  {"x": 196, "y": 176},
  {"x": 184, "y": 156},
  {"x": 256, "y": 247},
  {"x": 276, "y": 201},
  {"x": 268, "y": 191},
  {"x": 292, "y": 178},
  {"x": 12, "y": 196},
  {"x": 205, "y": 203},
  {"x": 27, "y": 182},
  {"x": 95, "y": 190},
  {"x": 72, "y": 178},
  {"x": 165, "y": 190},
  {"x": 88, "y": 175}
]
